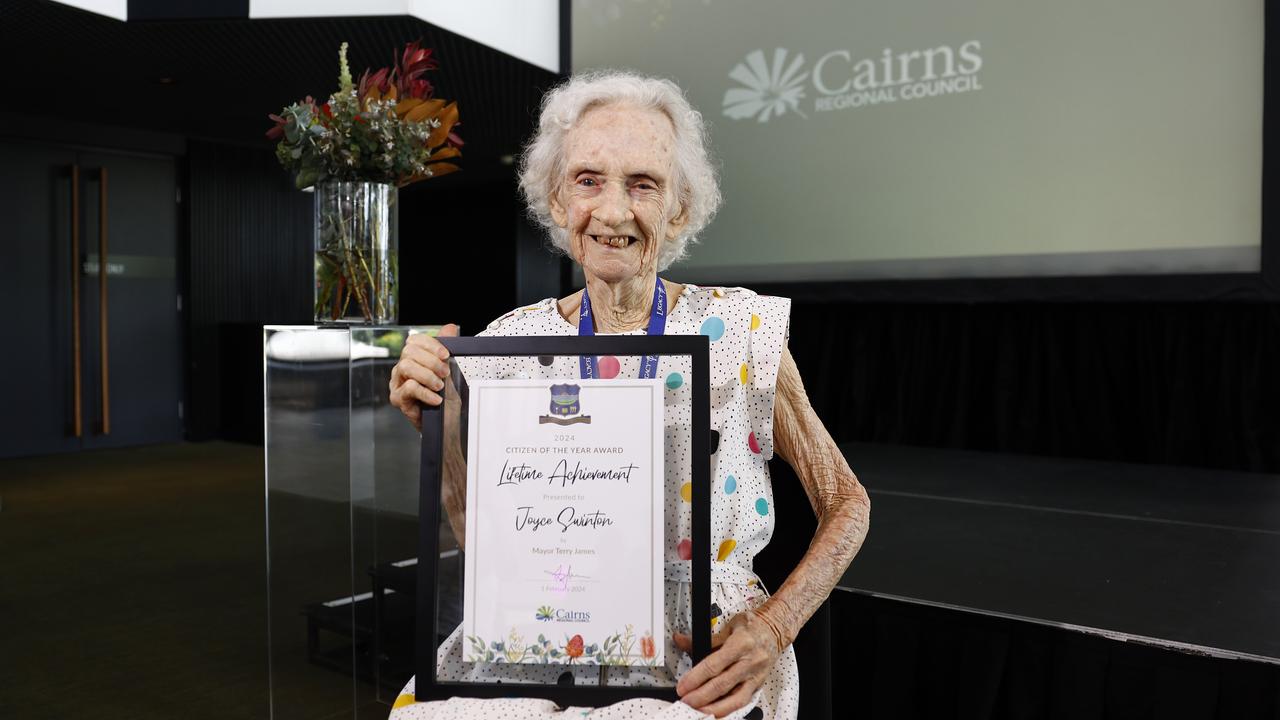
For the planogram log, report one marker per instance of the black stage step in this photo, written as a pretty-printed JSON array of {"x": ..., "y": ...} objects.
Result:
[{"x": 1013, "y": 586}]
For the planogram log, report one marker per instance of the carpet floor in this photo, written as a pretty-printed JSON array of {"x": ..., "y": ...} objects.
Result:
[{"x": 133, "y": 585}]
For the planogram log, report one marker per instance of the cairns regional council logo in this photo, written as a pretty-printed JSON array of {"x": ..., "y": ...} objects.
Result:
[
  {"x": 566, "y": 408},
  {"x": 546, "y": 613},
  {"x": 771, "y": 87}
]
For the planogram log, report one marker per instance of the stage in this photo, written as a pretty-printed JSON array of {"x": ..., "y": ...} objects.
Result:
[
  {"x": 1183, "y": 558},
  {"x": 1016, "y": 586}
]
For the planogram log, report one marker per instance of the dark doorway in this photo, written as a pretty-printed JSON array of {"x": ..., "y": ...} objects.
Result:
[{"x": 89, "y": 363}]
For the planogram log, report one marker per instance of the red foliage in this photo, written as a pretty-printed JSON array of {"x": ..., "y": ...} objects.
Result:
[
  {"x": 277, "y": 131},
  {"x": 415, "y": 61},
  {"x": 380, "y": 80}
]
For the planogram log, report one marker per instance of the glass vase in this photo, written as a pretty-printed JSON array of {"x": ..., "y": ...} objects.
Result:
[{"x": 356, "y": 243}]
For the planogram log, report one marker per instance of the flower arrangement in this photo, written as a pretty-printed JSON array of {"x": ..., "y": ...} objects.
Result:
[
  {"x": 371, "y": 137},
  {"x": 388, "y": 128}
]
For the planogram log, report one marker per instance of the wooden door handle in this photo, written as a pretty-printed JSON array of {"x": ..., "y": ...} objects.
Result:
[
  {"x": 103, "y": 333},
  {"x": 76, "y": 388}
]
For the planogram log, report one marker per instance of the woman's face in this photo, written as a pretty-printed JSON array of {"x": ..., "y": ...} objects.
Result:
[{"x": 617, "y": 200}]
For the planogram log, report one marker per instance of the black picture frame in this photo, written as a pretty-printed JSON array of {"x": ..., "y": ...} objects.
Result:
[{"x": 697, "y": 347}]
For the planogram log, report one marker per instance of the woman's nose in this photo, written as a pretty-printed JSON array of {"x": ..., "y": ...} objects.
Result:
[{"x": 614, "y": 207}]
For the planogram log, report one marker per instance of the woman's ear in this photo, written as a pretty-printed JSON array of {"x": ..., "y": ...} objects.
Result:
[
  {"x": 676, "y": 224},
  {"x": 559, "y": 215}
]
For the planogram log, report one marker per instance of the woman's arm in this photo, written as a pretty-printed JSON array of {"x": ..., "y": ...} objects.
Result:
[
  {"x": 419, "y": 379},
  {"x": 751, "y": 643},
  {"x": 453, "y": 490},
  {"x": 838, "y": 499}
]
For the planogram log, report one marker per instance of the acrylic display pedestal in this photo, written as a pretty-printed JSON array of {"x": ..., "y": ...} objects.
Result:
[{"x": 341, "y": 521}]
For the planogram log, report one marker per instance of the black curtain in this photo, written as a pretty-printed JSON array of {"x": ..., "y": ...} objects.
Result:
[{"x": 1167, "y": 383}]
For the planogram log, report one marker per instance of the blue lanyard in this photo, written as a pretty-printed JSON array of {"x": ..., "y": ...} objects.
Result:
[{"x": 589, "y": 366}]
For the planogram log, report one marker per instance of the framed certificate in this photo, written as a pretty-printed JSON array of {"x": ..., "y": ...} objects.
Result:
[
  {"x": 564, "y": 560},
  {"x": 564, "y": 551}
]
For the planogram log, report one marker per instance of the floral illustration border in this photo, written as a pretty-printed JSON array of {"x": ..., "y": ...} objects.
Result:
[{"x": 617, "y": 649}]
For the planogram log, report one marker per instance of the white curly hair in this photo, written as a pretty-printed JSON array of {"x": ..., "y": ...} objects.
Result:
[{"x": 542, "y": 167}]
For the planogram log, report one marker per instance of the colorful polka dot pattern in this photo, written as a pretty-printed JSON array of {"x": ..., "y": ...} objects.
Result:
[
  {"x": 712, "y": 327},
  {"x": 684, "y": 549},
  {"x": 726, "y": 547},
  {"x": 609, "y": 367}
]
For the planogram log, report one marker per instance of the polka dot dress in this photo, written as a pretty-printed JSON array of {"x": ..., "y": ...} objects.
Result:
[{"x": 747, "y": 333}]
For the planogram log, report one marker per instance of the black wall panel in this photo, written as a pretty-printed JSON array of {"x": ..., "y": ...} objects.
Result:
[
  {"x": 458, "y": 251},
  {"x": 249, "y": 264}
]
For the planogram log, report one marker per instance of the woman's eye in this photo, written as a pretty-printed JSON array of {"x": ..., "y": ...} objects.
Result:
[{"x": 587, "y": 182}]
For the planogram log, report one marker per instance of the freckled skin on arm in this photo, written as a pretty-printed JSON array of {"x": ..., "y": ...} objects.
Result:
[
  {"x": 453, "y": 492},
  {"x": 745, "y": 652},
  {"x": 419, "y": 380},
  {"x": 838, "y": 499}
]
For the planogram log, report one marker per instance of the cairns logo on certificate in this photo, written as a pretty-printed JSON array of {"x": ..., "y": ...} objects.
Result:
[{"x": 564, "y": 522}]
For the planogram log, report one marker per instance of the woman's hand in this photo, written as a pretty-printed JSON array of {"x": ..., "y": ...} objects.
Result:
[
  {"x": 420, "y": 374},
  {"x": 742, "y": 655}
]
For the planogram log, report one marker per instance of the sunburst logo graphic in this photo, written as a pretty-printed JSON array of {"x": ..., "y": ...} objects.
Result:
[{"x": 770, "y": 90}]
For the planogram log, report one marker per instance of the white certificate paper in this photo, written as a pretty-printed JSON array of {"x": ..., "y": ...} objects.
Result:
[{"x": 564, "y": 522}]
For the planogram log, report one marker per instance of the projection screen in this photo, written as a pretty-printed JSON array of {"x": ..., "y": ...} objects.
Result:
[{"x": 922, "y": 139}]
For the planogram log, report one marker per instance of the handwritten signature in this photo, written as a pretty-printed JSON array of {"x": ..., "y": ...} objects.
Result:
[{"x": 562, "y": 575}]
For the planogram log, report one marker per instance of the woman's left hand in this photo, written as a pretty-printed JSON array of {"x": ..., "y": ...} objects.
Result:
[{"x": 742, "y": 654}]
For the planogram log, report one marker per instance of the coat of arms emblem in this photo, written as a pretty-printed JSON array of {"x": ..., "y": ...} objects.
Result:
[{"x": 566, "y": 408}]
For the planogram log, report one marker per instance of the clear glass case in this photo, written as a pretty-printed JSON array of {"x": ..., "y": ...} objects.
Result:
[{"x": 341, "y": 520}]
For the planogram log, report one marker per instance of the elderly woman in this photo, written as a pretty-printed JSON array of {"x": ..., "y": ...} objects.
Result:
[{"x": 619, "y": 174}]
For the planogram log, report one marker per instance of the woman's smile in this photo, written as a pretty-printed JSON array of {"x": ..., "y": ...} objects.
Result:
[{"x": 614, "y": 241}]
